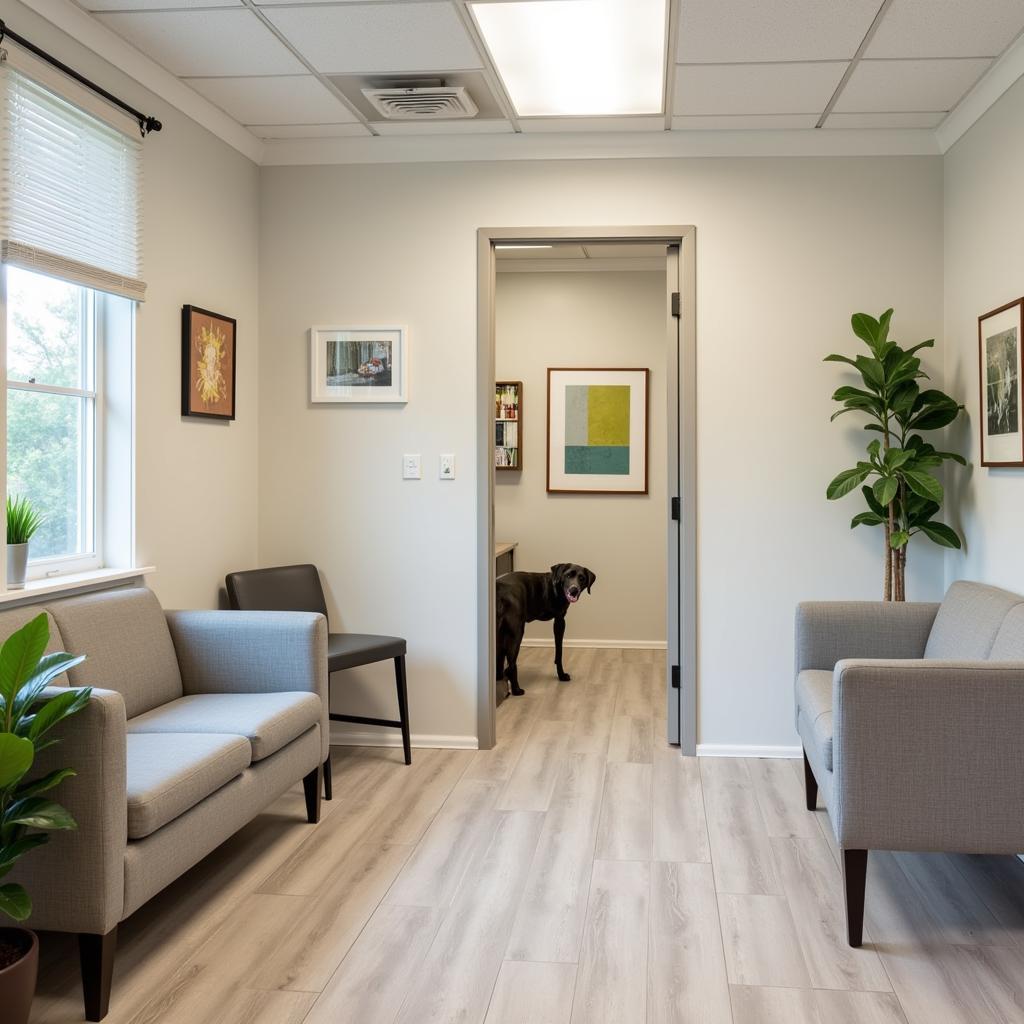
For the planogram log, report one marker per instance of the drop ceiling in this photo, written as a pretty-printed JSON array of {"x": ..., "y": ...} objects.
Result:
[{"x": 294, "y": 69}]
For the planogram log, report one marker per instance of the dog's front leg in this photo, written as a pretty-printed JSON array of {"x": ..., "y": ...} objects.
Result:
[{"x": 563, "y": 676}]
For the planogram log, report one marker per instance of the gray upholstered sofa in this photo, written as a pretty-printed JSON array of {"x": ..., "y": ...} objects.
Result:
[
  {"x": 912, "y": 723},
  {"x": 198, "y": 720}
]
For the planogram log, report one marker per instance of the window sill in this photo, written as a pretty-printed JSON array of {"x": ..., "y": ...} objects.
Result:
[{"x": 37, "y": 591}]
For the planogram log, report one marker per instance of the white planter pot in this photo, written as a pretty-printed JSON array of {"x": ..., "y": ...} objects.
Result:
[{"x": 17, "y": 566}]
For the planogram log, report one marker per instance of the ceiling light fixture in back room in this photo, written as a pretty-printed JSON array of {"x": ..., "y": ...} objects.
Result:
[{"x": 578, "y": 58}]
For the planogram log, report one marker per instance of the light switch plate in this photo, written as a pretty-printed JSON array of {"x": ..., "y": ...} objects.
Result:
[
  {"x": 411, "y": 467},
  {"x": 447, "y": 467}
]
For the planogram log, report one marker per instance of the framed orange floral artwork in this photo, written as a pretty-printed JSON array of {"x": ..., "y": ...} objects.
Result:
[{"x": 207, "y": 364}]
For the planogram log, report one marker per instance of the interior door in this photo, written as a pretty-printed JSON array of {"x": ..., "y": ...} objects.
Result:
[{"x": 673, "y": 512}]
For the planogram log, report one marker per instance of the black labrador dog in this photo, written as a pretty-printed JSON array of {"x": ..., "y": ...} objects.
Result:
[{"x": 524, "y": 597}]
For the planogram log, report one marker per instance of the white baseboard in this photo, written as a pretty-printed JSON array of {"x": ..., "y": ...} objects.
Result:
[
  {"x": 741, "y": 750},
  {"x": 628, "y": 645},
  {"x": 341, "y": 737}
]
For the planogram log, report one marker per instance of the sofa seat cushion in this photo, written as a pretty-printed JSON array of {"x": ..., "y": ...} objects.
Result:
[
  {"x": 269, "y": 721},
  {"x": 814, "y": 702},
  {"x": 168, "y": 773}
]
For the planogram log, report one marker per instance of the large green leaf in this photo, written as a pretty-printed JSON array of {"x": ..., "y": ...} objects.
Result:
[
  {"x": 867, "y": 519},
  {"x": 865, "y": 327},
  {"x": 941, "y": 534},
  {"x": 56, "y": 709},
  {"x": 14, "y": 902},
  {"x": 930, "y": 343},
  {"x": 898, "y": 539},
  {"x": 885, "y": 490},
  {"x": 49, "y": 667},
  {"x": 924, "y": 484},
  {"x": 35, "y": 812},
  {"x": 11, "y": 852},
  {"x": 846, "y": 392},
  {"x": 846, "y": 482},
  {"x": 869, "y": 497},
  {"x": 836, "y": 358},
  {"x": 883, "y": 325},
  {"x": 16, "y": 757},
  {"x": 896, "y": 457},
  {"x": 20, "y": 654},
  {"x": 871, "y": 370}
]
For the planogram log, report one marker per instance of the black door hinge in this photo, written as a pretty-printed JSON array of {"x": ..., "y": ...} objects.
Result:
[
  {"x": 675, "y": 509},
  {"x": 675, "y": 677},
  {"x": 675, "y": 304}
]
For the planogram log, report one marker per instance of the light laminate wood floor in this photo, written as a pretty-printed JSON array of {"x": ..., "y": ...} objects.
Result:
[{"x": 582, "y": 872}]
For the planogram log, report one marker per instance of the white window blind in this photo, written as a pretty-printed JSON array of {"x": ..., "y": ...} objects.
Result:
[{"x": 70, "y": 189}]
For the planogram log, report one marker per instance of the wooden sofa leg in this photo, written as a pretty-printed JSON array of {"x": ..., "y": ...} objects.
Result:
[
  {"x": 855, "y": 872},
  {"x": 96, "y": 953},
  {"x": 810, "y": 785},
  {"x": 312, "y": 784},
  {"x": 328, "y": 782}
]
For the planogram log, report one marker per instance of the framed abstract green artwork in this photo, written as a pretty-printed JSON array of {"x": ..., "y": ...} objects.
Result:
[{"x": 597, "y": 431}]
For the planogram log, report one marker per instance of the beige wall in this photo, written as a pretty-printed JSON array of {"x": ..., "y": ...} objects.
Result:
[
  {"x": 586, "y": 319},
  {"x": 786, "y": 250},
  {"x": 196, "y": 480},
  {"x": 984, "y": 269}
]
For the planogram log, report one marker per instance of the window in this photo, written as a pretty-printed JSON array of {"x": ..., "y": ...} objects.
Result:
[{"x": 69, "y": 257}]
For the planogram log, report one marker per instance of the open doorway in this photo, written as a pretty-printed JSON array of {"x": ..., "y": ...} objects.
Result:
[{"x": 586, "y": 336}]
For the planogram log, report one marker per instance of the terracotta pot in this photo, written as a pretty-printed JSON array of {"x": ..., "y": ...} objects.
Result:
[{"x": 18, "y": 982}]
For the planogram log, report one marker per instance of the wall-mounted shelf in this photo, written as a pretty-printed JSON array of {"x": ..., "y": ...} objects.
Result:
[{"x": 508, "y": 424}]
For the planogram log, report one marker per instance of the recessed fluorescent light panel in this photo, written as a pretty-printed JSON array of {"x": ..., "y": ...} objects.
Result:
[{"x": 578, "y": 58}]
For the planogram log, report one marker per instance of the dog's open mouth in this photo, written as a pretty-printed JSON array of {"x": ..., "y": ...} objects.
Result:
[{"x": 571, "y": 598}]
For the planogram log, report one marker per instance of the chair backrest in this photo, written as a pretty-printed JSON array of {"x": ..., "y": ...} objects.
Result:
[
  {"x": 284, "y": 588},
  {"x": 970, "y": 620}
]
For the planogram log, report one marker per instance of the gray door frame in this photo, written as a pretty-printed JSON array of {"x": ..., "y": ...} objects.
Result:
[{"x": 681, "y": 332}]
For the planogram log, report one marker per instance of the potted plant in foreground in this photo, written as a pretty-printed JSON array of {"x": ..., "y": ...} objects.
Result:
[
  {"x": 904, "y": 496},
  {"x": 22, "y": 522},
  {"x": 25, "y": 719}
]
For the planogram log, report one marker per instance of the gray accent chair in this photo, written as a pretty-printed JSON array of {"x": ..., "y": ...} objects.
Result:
[
  {"x": 911, "y": 718},
  {"x": 198, "y": 720}
]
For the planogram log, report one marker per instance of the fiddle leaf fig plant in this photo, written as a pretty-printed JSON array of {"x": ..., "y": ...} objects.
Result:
[
  {"x": 897, "y": 478},
  {"x": 26, "y": 717}
]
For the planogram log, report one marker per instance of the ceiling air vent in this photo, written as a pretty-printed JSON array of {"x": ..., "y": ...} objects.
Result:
[{"x": 422, "y": 102}]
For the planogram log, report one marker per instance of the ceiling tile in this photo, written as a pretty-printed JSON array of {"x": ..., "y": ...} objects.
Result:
[
  {"x": 306, "y": 131},
  {"x": 909, "y": 85},
  {"x": 721, "y": 31},
  {"x": 151, "y": 5},
  {"x": 947, "y": 28},
  {"x": 290, "y": 99},
  {"x": 205, "y": 42},
  {"x": 886, "y": 120},
  {"x": 469, "y": 126},
  {"x": 755, "y": 88},
  {"x": 378, "y": 37},
  {"x": 744, "y": 122},
  {"x": 592, "y": 124}
]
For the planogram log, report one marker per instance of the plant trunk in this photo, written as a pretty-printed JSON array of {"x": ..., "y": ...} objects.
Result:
[{"x": 887, "y": 585}]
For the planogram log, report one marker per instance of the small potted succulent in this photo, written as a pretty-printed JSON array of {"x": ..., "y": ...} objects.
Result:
[
  {"x": 22, "y": 522},
  {"x": 26, "y": 716}
]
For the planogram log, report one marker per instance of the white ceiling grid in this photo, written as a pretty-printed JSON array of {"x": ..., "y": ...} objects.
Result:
[{"x": 736, "y": 64}]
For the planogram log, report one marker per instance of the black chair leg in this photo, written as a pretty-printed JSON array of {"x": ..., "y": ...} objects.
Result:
[
  {"x": 328, "y": 788},
  {"x": 403, "y": 706},
  {"x": 855, "y": 873},
  {"x": 810, "y": 785},
  {"x": 96, "y": 953},
  {"x": 312, "y": 784}
]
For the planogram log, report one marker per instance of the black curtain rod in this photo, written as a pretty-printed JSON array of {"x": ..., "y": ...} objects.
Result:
[{"x": 147, "y": 124}]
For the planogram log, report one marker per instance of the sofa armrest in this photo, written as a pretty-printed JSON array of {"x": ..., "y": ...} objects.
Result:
[
  {"x": 76, "y": 880},
  {"x": 927, "y": 755},
  {"x": 253, "y": 652},
  {"x": 828, "y": 631}
]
